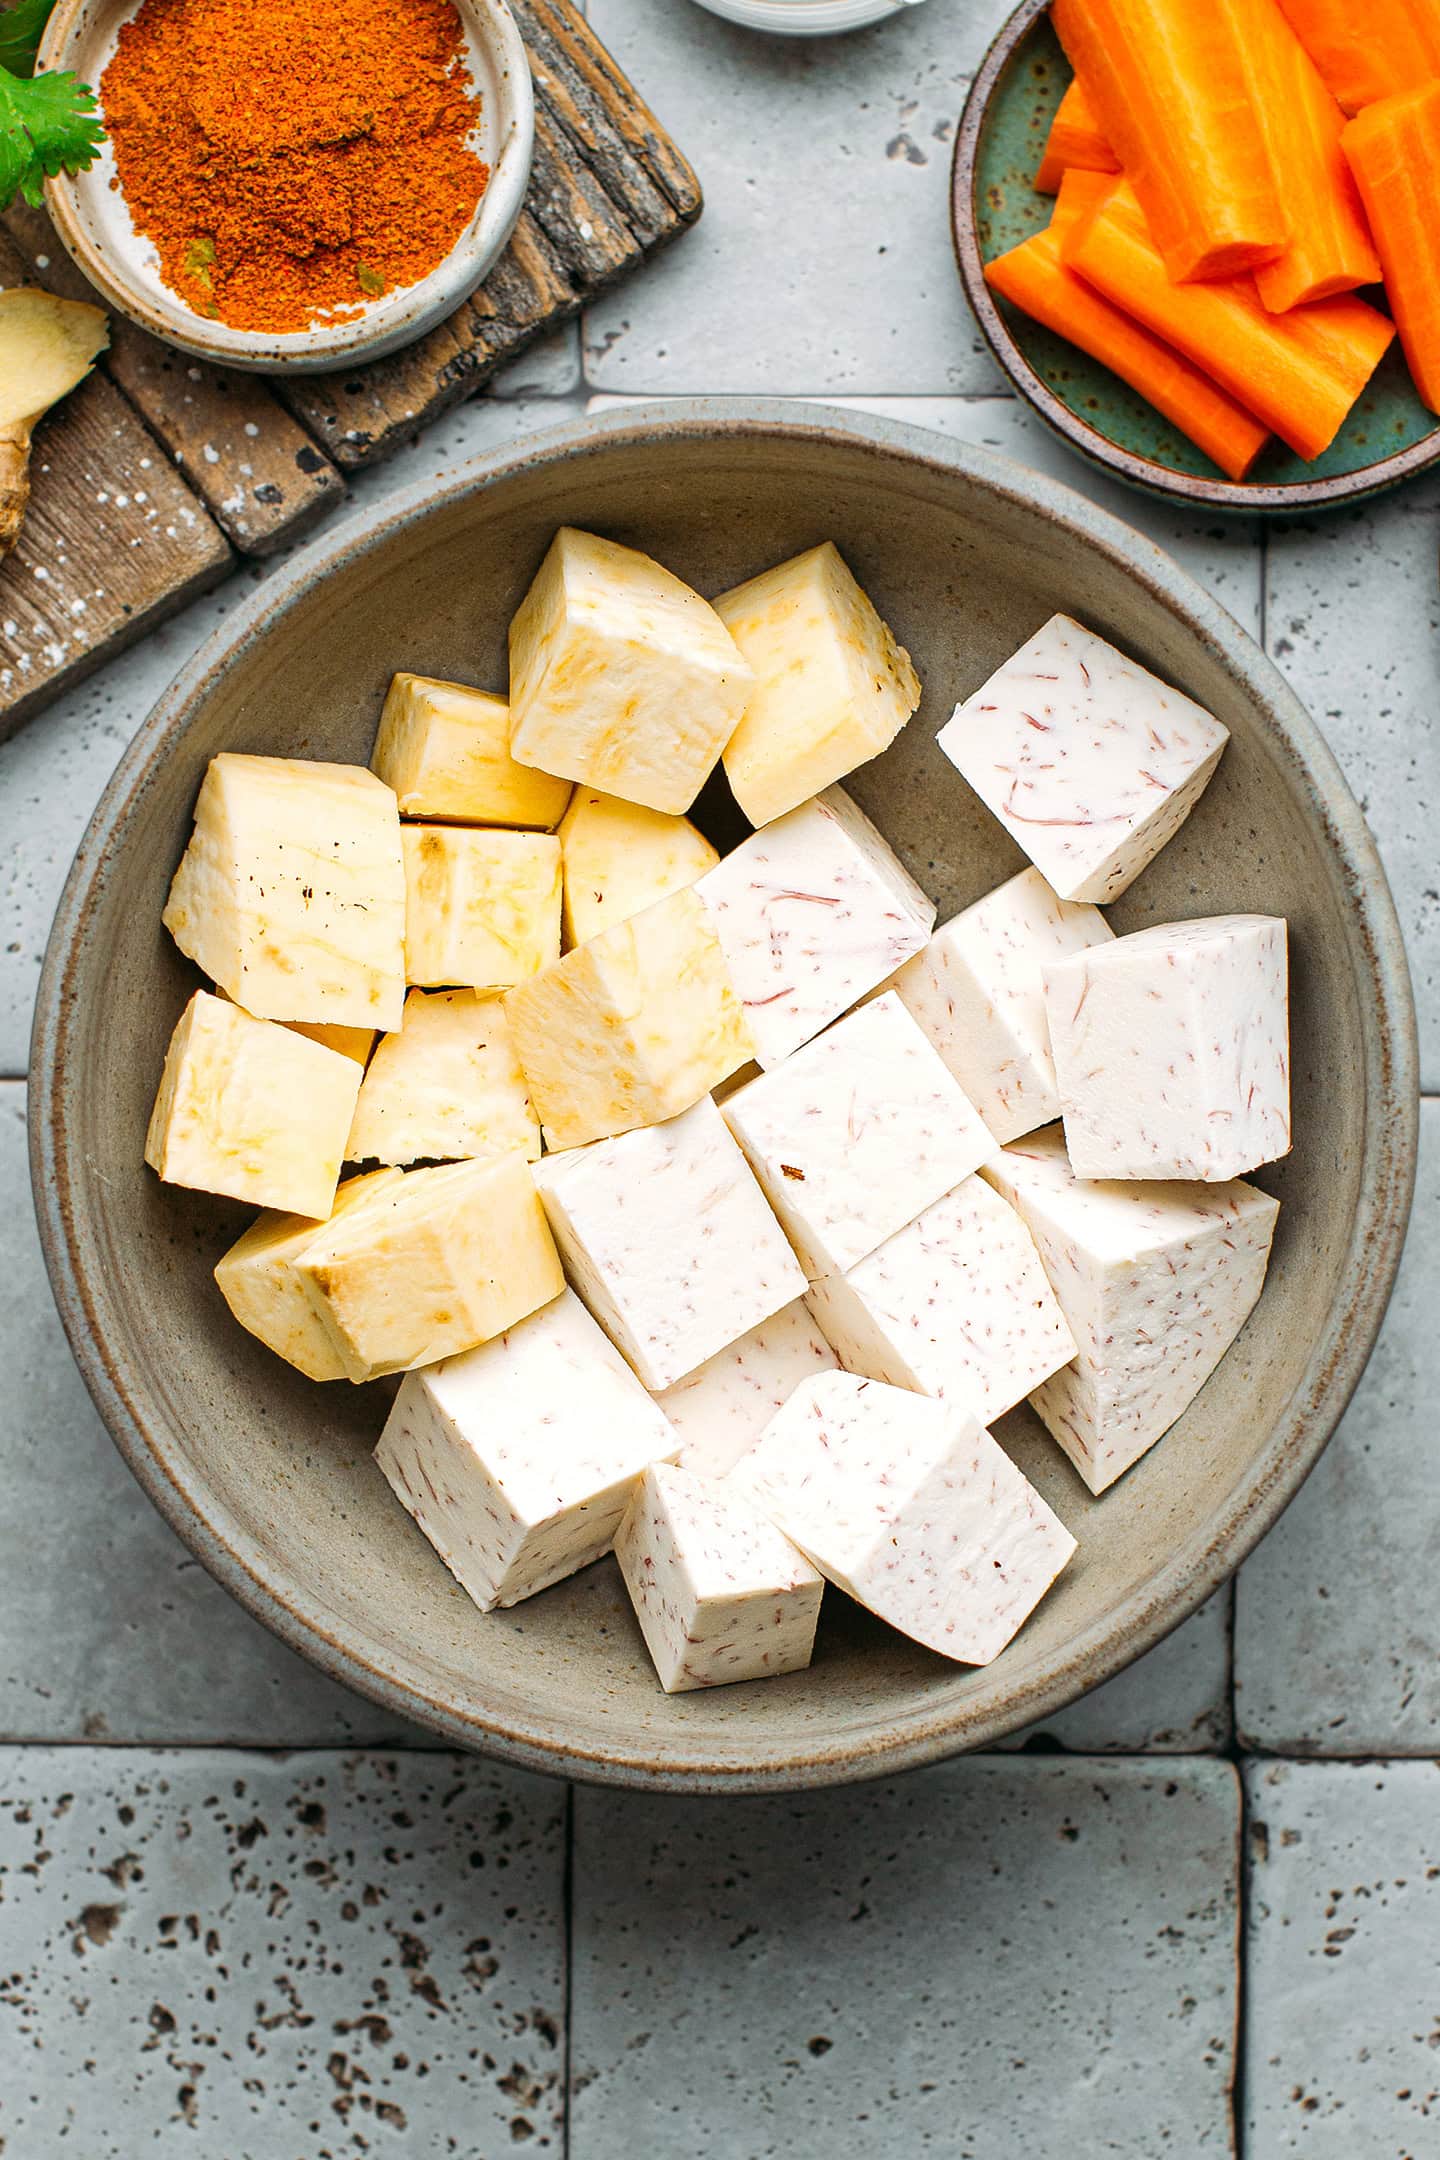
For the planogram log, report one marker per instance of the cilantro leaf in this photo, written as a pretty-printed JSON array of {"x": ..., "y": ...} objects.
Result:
[
  {"x": 47, "y": 126},
  {"x": 20, "y": 32}
]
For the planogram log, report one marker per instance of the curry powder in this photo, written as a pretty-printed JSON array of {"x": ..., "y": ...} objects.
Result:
[{"x": 290, "y": 159}]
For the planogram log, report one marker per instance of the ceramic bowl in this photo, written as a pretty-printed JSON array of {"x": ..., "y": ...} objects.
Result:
[
  {"x": 1388, "y": 437},
  {"x": 267, "y": 1476},
  {"x": 94, "y": 222},
  {"x": 807, "y": 18}
]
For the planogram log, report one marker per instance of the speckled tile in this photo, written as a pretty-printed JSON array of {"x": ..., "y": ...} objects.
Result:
[
  {"x": 1223, "y": 554},
  {"x": 1337, "y": 1628},
  {"x": 958, "y": 1963},
  {"x": 109, "y": 1629},
  {"x": 1173, "y": 1701},
  {"x": 228, "y": 1954},
  {"x": 1353, "y": 619},
  {"x": 548, "y": 368},
  {"x": 823, "y": 259},
  {"x": 1342, "y": 2019},
  {"x": 53, "y": 772}
]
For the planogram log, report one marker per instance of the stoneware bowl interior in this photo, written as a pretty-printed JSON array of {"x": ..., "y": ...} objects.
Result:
[
  {"x": 93, "y": 219},
  {"x": 1388, "y": 436},
  {"x": 268, "y": 1477}
]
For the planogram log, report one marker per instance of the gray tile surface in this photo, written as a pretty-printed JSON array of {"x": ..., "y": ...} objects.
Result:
[
  {"x": 294, "y": 1957},
  {"x": 978, "y": 1962},
  {"x": 1173, "y": 1701},
  {"x": 1353, "y": 619},
  {"x": 109, "y": 1628},
  {"x": 230, "y": 1955},
  {"x": 549, "y": 368},
  {"x": 1342, "y": 2025},
  {"x": 1337, "y": 1634},
  {"x": 823, "y": 259}
]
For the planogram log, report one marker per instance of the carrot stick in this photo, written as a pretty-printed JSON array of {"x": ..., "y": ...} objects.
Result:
[
  {"x": 1394, "y": 151},
  {"x": 1034, "y": 277},
  {"x": 1330, "y": 247},
  {"x": 1369, "y": 49},
  {"x": 1076, "y": 140},
  {"x": 1300, "y": 373},
  {"x": 1080, "y": 194},
  {"x": 1167, "y": 81}
]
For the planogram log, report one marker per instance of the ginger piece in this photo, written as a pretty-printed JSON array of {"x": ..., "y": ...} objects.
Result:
[{"x": 47, "y": 346}]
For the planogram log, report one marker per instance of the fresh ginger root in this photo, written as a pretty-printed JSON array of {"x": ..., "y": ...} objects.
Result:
[{"x": 47, "y": 346}]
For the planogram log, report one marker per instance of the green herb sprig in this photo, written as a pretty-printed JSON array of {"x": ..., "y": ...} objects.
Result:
[{"x": 48, "y": 123}]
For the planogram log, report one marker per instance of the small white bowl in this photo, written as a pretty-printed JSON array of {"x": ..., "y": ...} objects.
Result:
[
  {"x": 94, "y": 222},
  {"x": 807, "y": 18}
]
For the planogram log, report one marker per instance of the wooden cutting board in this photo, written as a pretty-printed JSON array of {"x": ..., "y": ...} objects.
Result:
[{"x": 161, "y": 473}]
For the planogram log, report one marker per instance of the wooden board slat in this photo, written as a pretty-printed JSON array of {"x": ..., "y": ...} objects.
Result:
[
  {"x": 364, "y": 416},
  {"x": 608, "y": 187},
  {"x": 612, "y": 129},
  {"x": 260, "y": 475},
  {"x": 113, "y": 541}
]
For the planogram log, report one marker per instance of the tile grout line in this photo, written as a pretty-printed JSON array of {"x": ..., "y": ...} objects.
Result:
[
  {"x": 18, "y": 1079},
  {"x": 282, "y": 1750},
  {"x": 567, "y": 1913},
  {"x": 1240, "y": 2078},
  {"x": 1263, "y": 628},
  {"x": 589, "y": 388}
]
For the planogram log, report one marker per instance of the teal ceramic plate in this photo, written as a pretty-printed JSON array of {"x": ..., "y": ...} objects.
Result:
[{"x": 1388, "y": 436}]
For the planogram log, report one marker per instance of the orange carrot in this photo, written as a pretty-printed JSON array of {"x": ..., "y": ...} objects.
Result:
[
  {"x": 1330, "y": 248},
  {"x": 1076, "y": 141},
  {"x": 1394, "y": 150},
  {"x": 1167, "y": 80},
  {"x": 1300, "y": 373},
  {"x": 1034, "y": 277},
  {"x": 1079, "y": 196},
  {"x": 1369, "y": 49}
]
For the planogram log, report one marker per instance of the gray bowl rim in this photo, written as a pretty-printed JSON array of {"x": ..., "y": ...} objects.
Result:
[{"x": 1184, "y": 1578}]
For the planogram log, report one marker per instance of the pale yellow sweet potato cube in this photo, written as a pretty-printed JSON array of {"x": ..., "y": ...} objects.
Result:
[
  {"x": 444, "y": 1260},
  {"x": 446, "y": 752},
  {"x": 351, "y": 1042},
  {"x": 621, "y": 675},
  {"x": 446, "y": 1086},
  {"x": 482, "y": 908},
  {"x": 250, "y": 1109},
  {"x": 832, "y": 687},
  {"x": 291, "y": 893},
  {"x": 632, "y": 1027},
  {"x": 258, "y": 1282},
  {"x": 620, "y": 858}
]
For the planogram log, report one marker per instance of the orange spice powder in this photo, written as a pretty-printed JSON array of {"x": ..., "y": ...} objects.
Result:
[{"x": 291, "y": 159}]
